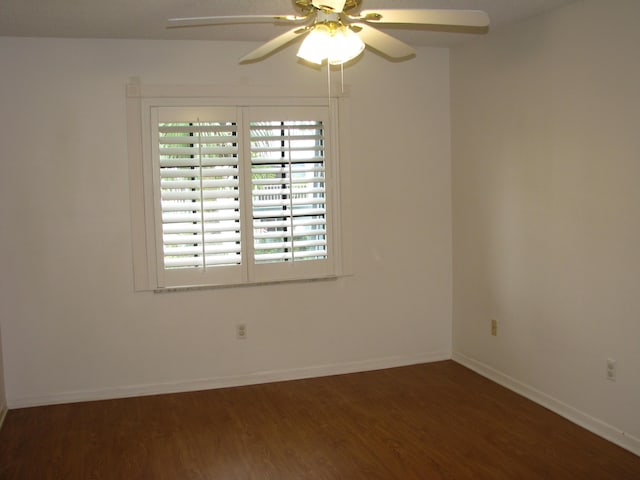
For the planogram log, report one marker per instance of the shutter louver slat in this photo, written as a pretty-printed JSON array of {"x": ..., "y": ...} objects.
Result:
[
  {"x": 300, "y": 182},
  {"x": 178, "y": 239},
  {"x": 304, "y": 168},
  {"x": 190, "y": 228},
  {"x": 177, "y": 196},
  {"x": 287, "y": 191},
  {"x": 296, "y": 233},
  {"x": 276, "y": 161},
  {"x": 309, "y": 212},
  {"x": 197, "y": 215},
  {"x": 193, "y": 162},
  {"x": 171, "y": 129},
  {"x": 177, "y": 173},
  {"x": 285, "y": 202},
  {"x": 197, "y": 150}
]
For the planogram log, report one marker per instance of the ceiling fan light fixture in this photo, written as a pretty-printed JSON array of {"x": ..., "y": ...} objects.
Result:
[
  {"x": 336, "y": 44},
  {"x": 338, "y": 36}
]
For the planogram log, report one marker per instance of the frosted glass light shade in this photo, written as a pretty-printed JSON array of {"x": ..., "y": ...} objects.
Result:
[
  {"x": 314, "y": 47},
  {"x": 337, "y": 46},
  {"x": 345, "y": 45}
]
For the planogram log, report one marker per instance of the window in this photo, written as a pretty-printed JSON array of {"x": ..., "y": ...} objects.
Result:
[{"x": 233, "y": 193}]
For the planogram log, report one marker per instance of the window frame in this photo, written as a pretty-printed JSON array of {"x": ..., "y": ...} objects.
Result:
[{"x": 147, "y": 254}]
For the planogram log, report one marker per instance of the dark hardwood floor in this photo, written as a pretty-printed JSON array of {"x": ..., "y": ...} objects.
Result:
[{"x": 433, "y": 421}]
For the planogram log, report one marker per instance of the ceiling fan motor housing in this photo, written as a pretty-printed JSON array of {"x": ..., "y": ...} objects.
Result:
[{"x": 337, "y": 6}]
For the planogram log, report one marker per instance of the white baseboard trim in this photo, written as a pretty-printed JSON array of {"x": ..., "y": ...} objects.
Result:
[
  {"x": 228, "y": 381},
  {"x": 572, "y": 414}
]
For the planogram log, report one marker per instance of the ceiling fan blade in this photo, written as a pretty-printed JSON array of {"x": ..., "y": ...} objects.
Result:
[
  {"x": 232, "y": 19},
  {"x": 385, "y": 44},
  {"x": 274, "y": 44},
  {"x": 458, "y": 18}
]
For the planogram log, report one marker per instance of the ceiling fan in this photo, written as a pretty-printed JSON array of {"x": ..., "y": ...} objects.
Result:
[{"x": 335, "y": 31}]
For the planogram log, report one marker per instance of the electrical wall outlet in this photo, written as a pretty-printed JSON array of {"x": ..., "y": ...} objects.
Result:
[
  {"x": 241, "y": 331},
  {"x": 494, "y": 327},
  {"x": 611, "y": 369}
]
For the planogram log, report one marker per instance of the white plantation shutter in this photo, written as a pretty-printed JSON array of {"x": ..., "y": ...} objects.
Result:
[
  {"x": 199, "y": 194},
  {"x": 289, "y": 190},
  {"x": 241, "y": 194}
]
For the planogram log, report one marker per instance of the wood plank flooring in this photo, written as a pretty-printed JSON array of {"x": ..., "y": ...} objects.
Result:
[{"x": 429, "y": 422}]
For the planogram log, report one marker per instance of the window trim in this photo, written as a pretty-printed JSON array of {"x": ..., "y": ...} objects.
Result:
[{"x": 141, "y": 98}]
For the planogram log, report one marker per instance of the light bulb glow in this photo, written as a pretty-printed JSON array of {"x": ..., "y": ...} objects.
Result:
[
  {"x": 313, "y": 47},
  {"x": 345, "y": 46},
  {"x": 336, "y": 45}
]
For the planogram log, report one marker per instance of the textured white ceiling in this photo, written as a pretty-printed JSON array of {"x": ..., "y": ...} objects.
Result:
[{"x": 147, "y": 18}]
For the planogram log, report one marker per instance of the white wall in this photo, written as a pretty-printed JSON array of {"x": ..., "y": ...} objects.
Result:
[
  {"x": 74, "y": 329},
  {"x": 546, "y": 162},
  {"x": 3, "y": 397}
]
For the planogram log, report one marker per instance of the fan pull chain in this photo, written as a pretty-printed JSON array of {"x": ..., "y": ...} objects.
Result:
[{"x": 329, "y": 79}]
